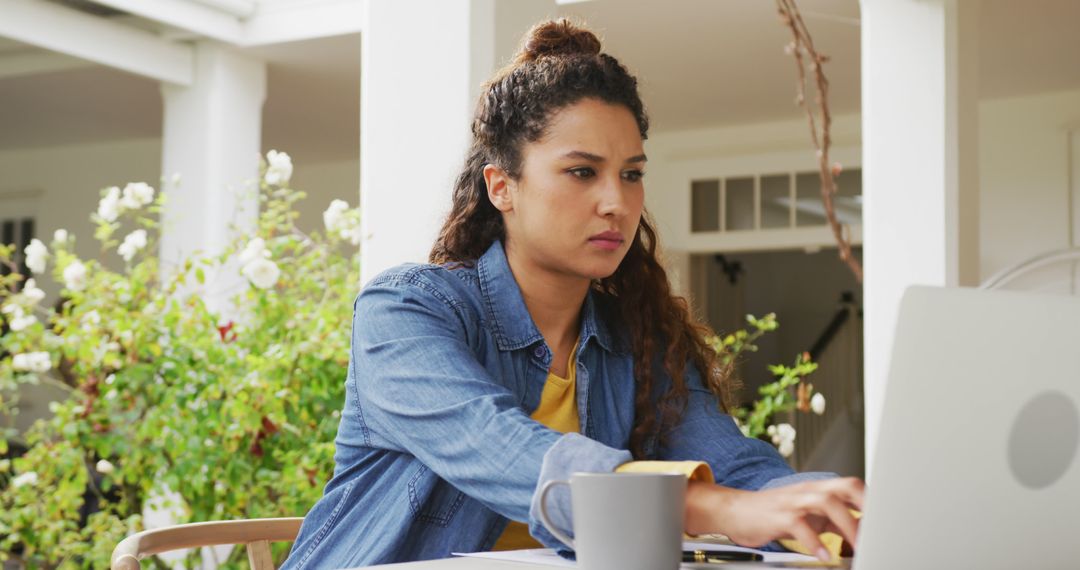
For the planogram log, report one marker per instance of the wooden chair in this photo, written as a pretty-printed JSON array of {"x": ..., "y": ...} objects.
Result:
[{"x": 255, "y": 534}]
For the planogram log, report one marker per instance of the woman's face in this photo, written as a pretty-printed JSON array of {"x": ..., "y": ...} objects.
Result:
[{"x": 575, "y": 207}]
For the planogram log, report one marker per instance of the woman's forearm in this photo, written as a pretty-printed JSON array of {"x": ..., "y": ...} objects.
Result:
[{"x": 706, "y": 504}]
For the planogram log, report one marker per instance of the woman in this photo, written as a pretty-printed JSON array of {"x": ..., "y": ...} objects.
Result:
[{"x": 542, "y": 339}]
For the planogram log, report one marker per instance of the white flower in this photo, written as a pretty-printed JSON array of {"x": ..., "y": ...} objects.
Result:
[
  {"x": 29, "y": 478},
  {"x": 35, "y": 256},
  {"x": 262, "y": 273},
  {"x": 31, "y": 362},
  {"x": 133, "y": 242},
  {"x": 60, "y": 236},
  {"x": 75, "y": 276},
  {"x": 109, "y": 206},
  {"x": 40, "y": 362},
  {"x": 255, "y": 249},
  {"x": 137, "y": 195},
  {"x": 334, "y": 215},
  {"x": 32, "y": 293},
  {"x": 91, "y": 318},
  {"x": 126, "y": 250},
  {"x": 817, "y": 404},
  {"x": 22, "y": 322},
  {"x": 104, "y": 467},
  {"x": 19, "y": 320},
  {"x": 783, "y": 436},
  {"x": 279, "y": 168},
  {"x": 338, "y": 222}
]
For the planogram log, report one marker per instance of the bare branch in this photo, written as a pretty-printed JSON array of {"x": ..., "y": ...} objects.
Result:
[{"x": 806, "y": 57}]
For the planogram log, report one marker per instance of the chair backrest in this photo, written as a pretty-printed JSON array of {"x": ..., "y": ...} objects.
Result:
[
  {"x": 255, "y": 534},
  {"x": 1051, "y": 272}
]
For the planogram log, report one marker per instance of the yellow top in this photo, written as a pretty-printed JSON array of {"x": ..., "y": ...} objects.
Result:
[{"x": 558, "y": 411}]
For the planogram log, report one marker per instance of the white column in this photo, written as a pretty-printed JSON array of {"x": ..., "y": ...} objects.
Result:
[
  {"x": 422, "y": 64},
  {"x": 211, "y": 141},
  {"x": 920, "y": 178}
]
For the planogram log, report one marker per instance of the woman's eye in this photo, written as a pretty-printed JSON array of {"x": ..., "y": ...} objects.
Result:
[
  {"x": 582, "y": 172},
  {"x": 633, "y": 175}
]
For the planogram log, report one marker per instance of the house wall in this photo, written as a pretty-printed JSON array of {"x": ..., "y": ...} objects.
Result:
[
  {"x": 1028, "y": 172},
  {"x": 1028, "y": 206},
  {"x": 67, "y": 181}
]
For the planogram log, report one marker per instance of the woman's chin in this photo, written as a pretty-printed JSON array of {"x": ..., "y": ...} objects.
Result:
[{"x": 601, "y": 271}]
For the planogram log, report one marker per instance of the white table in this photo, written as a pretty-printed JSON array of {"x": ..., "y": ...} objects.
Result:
[{"x": 465, "y": 563}]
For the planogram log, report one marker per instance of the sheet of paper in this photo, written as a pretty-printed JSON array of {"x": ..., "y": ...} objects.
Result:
[
  {"x": 544, "y": 556},
  {"x": 547, "y": 556}
]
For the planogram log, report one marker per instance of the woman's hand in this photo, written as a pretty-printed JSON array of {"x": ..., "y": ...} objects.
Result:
[{"x": 755, "y": 518}]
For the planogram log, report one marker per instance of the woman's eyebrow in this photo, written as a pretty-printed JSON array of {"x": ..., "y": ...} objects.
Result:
[{"x": 588, "y": 156}]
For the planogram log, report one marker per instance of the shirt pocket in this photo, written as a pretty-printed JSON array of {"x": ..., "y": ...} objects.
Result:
[{"x": 431, "y": 499}]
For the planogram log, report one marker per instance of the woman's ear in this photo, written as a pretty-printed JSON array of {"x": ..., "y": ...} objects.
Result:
[{"x": 498, "y": 188}]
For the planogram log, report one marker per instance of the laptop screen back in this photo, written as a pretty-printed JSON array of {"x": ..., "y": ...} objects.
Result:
[{"x": 976, "y": 464}]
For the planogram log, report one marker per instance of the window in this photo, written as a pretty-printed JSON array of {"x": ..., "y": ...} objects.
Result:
[
  {"x": 17, "y": 226},
  {"x": 772, "y": 201}
]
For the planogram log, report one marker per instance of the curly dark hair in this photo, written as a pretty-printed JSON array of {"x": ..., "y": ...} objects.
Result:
[{"x": 558, "y": 65}]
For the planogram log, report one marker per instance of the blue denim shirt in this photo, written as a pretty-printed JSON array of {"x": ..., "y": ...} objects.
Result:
[{"x": 436, "y": 451}]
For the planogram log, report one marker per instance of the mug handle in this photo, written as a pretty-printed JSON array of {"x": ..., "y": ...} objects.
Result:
[{"x": 544, "y": 516}]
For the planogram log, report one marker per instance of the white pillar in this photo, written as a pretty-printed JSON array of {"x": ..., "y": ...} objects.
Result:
[
  {"x": 422, "y": 64},
  {"x": 920, "y": 172},
  {"x": 211, "y": 139}
]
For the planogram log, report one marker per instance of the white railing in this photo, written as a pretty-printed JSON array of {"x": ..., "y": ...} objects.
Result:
[{"x": 833, "y": 441}]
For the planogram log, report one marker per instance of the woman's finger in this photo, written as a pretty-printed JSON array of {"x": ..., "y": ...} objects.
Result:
[
  {"x": 840, "y": 517},
  {"x": 802, "y": 532},
  {"x": 852, "y": 490}
]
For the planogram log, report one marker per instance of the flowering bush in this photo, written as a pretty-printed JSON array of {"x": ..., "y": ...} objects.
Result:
[
  {"x": 784, "y": 394},
  {"x": 166, "y": 399}
]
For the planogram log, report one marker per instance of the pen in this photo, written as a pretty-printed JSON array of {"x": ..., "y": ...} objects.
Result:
[{"x": 720, "y": 556}]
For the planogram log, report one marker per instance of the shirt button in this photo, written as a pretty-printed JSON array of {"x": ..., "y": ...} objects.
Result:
[{"x": 538, "y": 352}]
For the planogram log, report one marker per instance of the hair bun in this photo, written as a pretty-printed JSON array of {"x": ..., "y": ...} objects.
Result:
[{"x": 558, "y": 37}]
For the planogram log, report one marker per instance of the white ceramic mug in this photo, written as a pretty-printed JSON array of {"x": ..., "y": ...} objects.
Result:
[{"x": 628, "y": 521}]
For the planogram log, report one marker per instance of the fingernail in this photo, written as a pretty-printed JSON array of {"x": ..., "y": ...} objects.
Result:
[{"x": 823, "y": 555}]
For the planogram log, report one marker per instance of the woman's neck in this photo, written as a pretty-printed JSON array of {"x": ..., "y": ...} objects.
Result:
[{"x": 553, "y": 300}]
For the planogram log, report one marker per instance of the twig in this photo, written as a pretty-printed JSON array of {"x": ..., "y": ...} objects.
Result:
[{"x": 802, "y": 44}]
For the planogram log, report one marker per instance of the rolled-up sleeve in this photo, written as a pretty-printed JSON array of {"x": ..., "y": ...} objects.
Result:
[
  {"x": 708, "y": 434},
  {"x": 422, "y": 389}
]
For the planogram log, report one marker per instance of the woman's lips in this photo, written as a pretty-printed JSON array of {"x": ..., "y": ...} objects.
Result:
[{"x": 607, "y": 240}]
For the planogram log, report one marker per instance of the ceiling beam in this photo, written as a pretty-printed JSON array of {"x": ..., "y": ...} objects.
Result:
[
  {"x": 184, "y": 14},
  {"x": 59, "y": 29},
  {"x": 268, "y": 24},
  {"x": 15, "y": 64},
  {"x": 274, "y": 24},
  {"x": 240, "y": 8}
]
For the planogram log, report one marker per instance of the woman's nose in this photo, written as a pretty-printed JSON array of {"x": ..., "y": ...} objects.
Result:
[{"x": 612, "y": 201}]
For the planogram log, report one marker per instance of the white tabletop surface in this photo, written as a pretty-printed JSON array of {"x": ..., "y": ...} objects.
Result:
[{"x": 463, "y": 563}]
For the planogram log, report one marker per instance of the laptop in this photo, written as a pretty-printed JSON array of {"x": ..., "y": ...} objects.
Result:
[{"x": 976, "y": 464}]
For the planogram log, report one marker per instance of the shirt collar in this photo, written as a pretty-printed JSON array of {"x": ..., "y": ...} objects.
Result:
[{"x": 512, "y": 325}]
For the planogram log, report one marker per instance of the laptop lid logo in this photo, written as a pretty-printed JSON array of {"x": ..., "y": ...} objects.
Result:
[{"x": 1044, "y": 440}]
